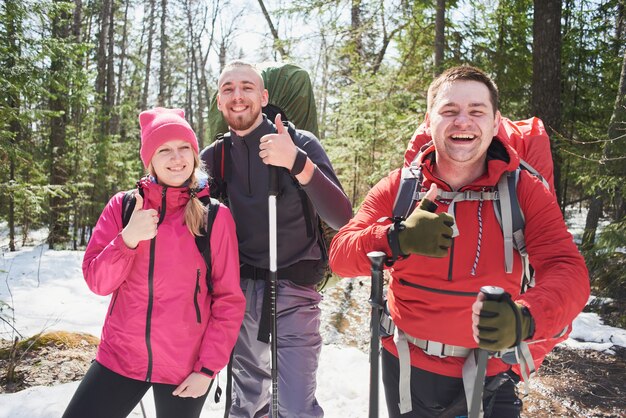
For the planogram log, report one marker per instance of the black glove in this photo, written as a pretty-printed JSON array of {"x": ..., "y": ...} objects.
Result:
[
  {"x": 503, "y": 324},
  {"x": 425, "y": 232}
]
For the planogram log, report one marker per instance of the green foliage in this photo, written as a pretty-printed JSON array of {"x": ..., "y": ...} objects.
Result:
[
  {"x": 371, "y": 127},
  {"x": 613, "y": 237}
]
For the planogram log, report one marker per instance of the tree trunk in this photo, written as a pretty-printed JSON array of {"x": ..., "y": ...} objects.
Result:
[
  {"x": 612, "y": 166},
  {"x": 59, "y": 210},
  {"x": 146, "y": 83},
  {"x": 593, "y": 218},
  {"x": 120, "y": 70},
  {"x": 14, "y": 27},
  {"x": 546, "y": 84},
  {"x": 76, "y": 118},
  {"x": 110, "y": 84},
  {"x": 102, "y": 47},
  {"x": 222, "y": 55},
  {"x": 162, "y": 98},
  {"x": 440, "y": 29},
  {"x": 355, "y": 24},
  {"x": 617, "y": 129}
]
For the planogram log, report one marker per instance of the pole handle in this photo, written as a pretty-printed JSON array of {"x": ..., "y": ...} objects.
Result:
[
  {"x": 273, "y": 180},
  {"x": 495, "y": 293},
  {"x": 377, "y": 258}
]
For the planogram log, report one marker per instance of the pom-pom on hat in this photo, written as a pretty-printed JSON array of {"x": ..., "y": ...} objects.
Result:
[{"x": 160, "y": 125}]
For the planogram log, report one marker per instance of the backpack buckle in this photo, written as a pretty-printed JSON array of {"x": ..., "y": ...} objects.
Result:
[{"x": 434, "y": 348}]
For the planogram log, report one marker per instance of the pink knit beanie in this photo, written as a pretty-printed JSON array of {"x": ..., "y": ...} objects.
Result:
[{"x": 160, "y": 125}]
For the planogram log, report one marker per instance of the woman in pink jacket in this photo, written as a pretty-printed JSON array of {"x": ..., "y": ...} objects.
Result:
[{"x": 165, "y": 328}]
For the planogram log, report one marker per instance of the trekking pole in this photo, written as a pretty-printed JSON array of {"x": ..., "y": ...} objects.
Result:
[
  {"x": 377, "y": 258},
  {"x": 273, "y": 192},
  {"x": 491, "y": 293},
  {"x": 143, "y": 410}
]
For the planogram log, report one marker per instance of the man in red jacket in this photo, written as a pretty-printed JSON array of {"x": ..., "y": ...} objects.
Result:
[{"x": 445, "y": 258}]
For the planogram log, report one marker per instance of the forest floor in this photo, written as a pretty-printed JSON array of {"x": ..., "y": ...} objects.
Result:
[{"x": 571, "y": 383}]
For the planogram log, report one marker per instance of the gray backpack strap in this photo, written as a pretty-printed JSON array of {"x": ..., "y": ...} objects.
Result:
[
  {"x": 408, "y": 192},
  {"x": 511, "y": 218},
  {"x": 506, "y": 217},
  {"x": 410, "y": 188},
  {"x": 525, "y": 166}
]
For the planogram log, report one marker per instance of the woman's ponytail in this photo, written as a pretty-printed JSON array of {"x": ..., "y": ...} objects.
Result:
[{"x": 195, "y": 211}]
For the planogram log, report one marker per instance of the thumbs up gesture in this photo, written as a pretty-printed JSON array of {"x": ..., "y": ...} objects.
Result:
[
  {"x": 278, "y": 149},
  {"x": 142, "y": 224},
  {"x": 424, "y": 232}
]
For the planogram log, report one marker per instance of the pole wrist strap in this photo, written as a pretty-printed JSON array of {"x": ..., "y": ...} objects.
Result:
[{"x": 394, "y": 243}]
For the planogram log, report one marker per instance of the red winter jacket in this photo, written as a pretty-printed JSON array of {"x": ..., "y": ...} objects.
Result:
[
  {"x": 420, "y": 295},
  {"x": 163, "y": 325}
]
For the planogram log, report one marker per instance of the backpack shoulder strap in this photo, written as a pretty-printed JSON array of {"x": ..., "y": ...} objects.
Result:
[
  {"x": 128, "y": 205},
  {"x": 526, "y": 166},
  {"x": 511, "y": 217},
  {"x": 291, "y": 128},
  {"x": 410, "y": 187},
  {"x": 221, "y": 170},
  {"x": 203, "y": 242},
  {"x": 408, "y": 192},
  {"x": 508, "y": 209}
]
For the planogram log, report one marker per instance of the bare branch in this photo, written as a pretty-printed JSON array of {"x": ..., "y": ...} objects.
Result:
[{"x": 278, "y": 45}]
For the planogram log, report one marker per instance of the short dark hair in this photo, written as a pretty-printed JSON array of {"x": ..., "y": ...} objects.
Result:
[{"x": 463, "y": 73}]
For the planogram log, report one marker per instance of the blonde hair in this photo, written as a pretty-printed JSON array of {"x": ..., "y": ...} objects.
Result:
[{"x": 195, "y": 211}]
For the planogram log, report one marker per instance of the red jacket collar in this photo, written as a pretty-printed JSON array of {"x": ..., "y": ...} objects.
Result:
[{"x": 501, "y": 157}]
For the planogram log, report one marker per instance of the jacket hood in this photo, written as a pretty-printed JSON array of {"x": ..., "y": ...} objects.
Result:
[{"x": 175, "y": 196}]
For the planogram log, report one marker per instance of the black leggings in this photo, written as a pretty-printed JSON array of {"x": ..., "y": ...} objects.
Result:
[
  {"x": 104, "y": 393},
  {"x": 434, "y": 395}
]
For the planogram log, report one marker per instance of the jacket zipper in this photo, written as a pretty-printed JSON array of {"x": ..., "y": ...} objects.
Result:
[
  {"x": 195, "y": 297},
  {"x": 248, "y": 173},
  {"x": 117, "y": 291},
  {"x": 151, "y": 289},
  {"x": 441, "y": 291},
  {"x": 451, "y": 261}
]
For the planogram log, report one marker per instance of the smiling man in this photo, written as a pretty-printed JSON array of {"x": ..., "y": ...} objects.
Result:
[
  {"x": 308, "y": 188},
  {"x": 432, "y": 298}
]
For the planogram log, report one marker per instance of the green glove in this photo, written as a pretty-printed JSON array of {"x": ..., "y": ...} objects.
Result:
[
  {"x": 425, "y": 232},
  {"x": 503, "y": 324}
]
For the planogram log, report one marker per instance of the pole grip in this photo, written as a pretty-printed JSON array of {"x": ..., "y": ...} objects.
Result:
[
  {"x": 492, "y": 292},
  {"x": 377, "y": 259},
  {"x": 273, "y": 180}
]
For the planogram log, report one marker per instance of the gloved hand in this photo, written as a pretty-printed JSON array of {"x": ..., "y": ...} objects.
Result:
[
  {"x": 500, "y": 324},
  {"x": 425, "y": 232}
]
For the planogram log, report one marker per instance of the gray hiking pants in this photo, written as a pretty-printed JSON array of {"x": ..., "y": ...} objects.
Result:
[{"x": 299, "y": 345}]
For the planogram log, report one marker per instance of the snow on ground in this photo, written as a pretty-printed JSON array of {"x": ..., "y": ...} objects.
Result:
[
  {"x": 344, "y": 392},
  {"x": 47, "y": 291}
]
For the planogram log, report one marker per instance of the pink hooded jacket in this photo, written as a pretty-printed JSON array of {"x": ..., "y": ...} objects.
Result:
[{"x": 162, "y": 321}]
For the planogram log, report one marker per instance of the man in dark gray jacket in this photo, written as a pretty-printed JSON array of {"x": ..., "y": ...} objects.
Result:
[{"x": 308, "y": 187}]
